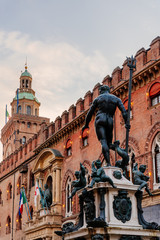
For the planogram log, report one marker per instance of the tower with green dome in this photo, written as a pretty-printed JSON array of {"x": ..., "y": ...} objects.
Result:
[
  {"x": 25, "y": 121},
  {"x": 27, "y": 102}
]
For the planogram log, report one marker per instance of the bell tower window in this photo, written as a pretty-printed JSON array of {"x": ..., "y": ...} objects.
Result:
[
  {"x": 19, "y": 109},
  {"x": 23, "y": 83},
  {"x": 28, "y": 110},
  {"x": 26, "y": 83}
]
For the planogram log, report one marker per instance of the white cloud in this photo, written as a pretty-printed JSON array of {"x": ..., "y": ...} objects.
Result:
[{"x": 61, "y": 73}]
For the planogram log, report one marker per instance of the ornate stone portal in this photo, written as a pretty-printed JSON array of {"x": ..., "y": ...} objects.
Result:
[{"x": 47, "y": 219}]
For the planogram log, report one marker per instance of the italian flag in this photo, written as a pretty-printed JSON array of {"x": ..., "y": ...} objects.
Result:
[
  {"x": 7, "y": 114},
  {"x": 21, "y": 202}
]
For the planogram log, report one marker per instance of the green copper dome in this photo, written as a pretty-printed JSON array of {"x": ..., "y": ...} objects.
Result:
[
  {"x": 26, "y": 74},
  {"x": 26, "y": 95}
]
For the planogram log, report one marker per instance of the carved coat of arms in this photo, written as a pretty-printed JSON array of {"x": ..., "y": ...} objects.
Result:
[{"x": 122, "y": 206}]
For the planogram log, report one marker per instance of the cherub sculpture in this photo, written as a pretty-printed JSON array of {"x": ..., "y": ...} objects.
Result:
[
  {"x": 98, "y": 174},
  {"x": 80, "y": 182},
  {"x": 140, "y": 178}
]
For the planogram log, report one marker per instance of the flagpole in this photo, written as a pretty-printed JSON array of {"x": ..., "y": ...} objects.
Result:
[
  {"x": 17, "y": 98},
  {"x": 6, "y": 115},
  {"x": 27, "y": 204},
  {"x": 131, "y": 63}
]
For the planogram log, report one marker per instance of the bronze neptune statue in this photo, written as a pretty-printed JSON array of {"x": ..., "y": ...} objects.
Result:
[{"x": 106, "y": 105}]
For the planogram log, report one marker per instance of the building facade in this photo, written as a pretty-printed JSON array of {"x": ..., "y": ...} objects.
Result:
[{"x": 36, "y": 150}]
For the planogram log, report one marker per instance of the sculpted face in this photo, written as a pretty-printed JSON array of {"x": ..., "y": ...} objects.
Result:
[
  {"x": 104, "y": 89},
  {"x": 142, "y": 168},
  {"x": 77, "y": 174},
  {"x": 98, "y": 163}
]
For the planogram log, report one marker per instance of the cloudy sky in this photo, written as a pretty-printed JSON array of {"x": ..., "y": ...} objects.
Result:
[{"x": 70, "y": 45}]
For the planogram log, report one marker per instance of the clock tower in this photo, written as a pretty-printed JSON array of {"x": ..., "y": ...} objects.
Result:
[{"x": 25, "y": 121}]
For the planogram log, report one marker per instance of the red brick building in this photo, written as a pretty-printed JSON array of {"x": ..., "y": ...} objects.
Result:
[{"x": 36, "y": 149}]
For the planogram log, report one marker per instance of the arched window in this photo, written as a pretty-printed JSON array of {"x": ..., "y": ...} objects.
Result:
[
  {"x": 36, "y": 112},
  {"x": 19, "y": 185},
  {"x": 19, "y": 109},
  {"x": 23, "y": 83},
  {"x": 154, "y": 94},
  {"x": 156, "y": 160},
  {"x": 85, "y": 137},
  {"x": 28, "y": 125},
  {"x": 69, "y": 147},
  {"x": 26, "y": 83},
  {"x": 28, "y": 110},
  {"x": 18, "y": 222},
  {"x": 0, "y": 197},
  {"x": 157, "y": 163},
  {"x": 9, "y": 191},
  {"x": 23, "y": 140},
  {"x": 68, "y": 200},
  {"x": 8, "y": 225}
]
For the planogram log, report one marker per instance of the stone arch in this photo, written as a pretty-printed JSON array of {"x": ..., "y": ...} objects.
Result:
[
  {"x": 45, "y": 157},
  {"x": 133, "y": 143},
  {"x": 152, "y": 133}
]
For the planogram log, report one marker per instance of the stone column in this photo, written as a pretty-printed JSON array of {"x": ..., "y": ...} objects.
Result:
[
  {"x": 54, "y": 186},
  {"x": 58, "y": 184}
]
